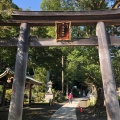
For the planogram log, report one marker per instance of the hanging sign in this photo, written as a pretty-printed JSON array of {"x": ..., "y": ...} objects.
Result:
[{"x": 63, "y": 30}]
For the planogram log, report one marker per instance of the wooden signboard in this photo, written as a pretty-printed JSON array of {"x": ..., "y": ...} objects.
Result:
[{"x": 63, "y": 31}]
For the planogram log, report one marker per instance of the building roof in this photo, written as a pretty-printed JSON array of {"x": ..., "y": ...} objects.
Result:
[{"x": 6, "y": 78}]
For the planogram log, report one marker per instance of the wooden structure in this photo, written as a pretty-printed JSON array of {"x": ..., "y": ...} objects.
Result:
[
  {"x": 6, "y": 80},
  {"x": 77, "y": 18},
  {"x": 63, "y": 31},
  {"x": 99, "y": 18},
  {"x": 34, "y": 41}
]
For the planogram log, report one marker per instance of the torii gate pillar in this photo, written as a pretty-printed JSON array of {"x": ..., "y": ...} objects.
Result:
[
  {"x": 16, "y": 104},
  {"x": 109, "y": 85}
]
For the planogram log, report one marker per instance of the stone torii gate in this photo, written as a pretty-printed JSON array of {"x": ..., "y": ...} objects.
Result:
[{"x": 100, "y": 18}]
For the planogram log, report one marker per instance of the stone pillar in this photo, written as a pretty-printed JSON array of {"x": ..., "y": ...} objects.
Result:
[
  {"x": 109, "y": 85},
  {"x": 16, "y": 104}
]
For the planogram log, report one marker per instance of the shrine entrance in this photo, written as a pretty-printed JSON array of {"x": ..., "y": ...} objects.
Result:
[{"x": 100, "y": 19}]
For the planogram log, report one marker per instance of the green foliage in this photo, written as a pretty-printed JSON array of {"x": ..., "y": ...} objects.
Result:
[
  {"x": 1, "y": 90},
  {"x": 40, "y": 32},
  {"x": 50, "y": 5},
  {"x": 8, "y": 94},
  {"x": 44, "y": 57},
  {"x": 40, "y": 75},
  {"x": 6, "y": 8},
  {"x": 7, "y": 31},
  {"x": 75, "y": 92},
  {"x": 92, "y": 4},
  {"x": 39, "y": 97},
  {"x": 115, "y": 56},
  {"x": 51, "y": 32},
  {"x": 83, "y": 65},
  {"x": 58, "y": 96},
  {"x": 7, "y": 58},
  {"x": 119, "y": 99}
]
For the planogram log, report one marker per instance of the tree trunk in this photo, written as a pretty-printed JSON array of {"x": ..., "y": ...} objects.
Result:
[
  {"x": 116, "y": 4},
  {"x": 66, "y": 87},
  {"x": 109, "y": 85},
  {"x": 100, "y": 98},
  {"x": 62, "y": 75},
  {"x": 16, "y": 104},
  {"x": 3, "y": 95},
  {"x": 30, "y": 94}
]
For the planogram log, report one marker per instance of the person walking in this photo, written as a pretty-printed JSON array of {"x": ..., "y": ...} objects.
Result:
[{"x": 70, "y": 96}]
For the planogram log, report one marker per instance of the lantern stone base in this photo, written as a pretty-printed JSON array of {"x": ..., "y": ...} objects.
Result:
[{"x": 48, "y": 97}]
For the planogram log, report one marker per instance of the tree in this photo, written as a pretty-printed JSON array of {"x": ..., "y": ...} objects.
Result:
[
  {"x": 92, "y": 4},
  {"x": 72, "y": 72},
  {"x": 7, "y": 55},
  {"x": 50, "y": 5},
  {"x": 115, "y": 55},
  {"x": 7, "y": 4},
  {"x": 116, "y": 4},
  {"x": 7, "y": 58}
]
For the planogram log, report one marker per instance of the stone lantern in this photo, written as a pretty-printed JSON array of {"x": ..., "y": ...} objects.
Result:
[
  {"x": 48, "y": 94},
  {"x": 49, "y": 86}
]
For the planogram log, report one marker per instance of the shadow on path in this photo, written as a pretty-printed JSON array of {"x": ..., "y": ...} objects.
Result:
[
  {"x": 88, "y": 114},
  {"x": 35, "y": 112}
]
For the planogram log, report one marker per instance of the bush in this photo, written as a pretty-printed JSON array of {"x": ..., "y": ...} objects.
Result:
[
  {"x": 58, "y": 96},
  {"x": 8, "y": 94}
]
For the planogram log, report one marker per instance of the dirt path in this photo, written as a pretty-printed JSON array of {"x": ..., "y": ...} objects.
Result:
[
  {"x": 35, "y": 112},
  {"x": 44, "y": 112},
  {"x": 40, "y": 112}
]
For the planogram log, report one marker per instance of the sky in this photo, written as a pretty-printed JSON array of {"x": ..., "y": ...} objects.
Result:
[{"x": 33, "y": 5}]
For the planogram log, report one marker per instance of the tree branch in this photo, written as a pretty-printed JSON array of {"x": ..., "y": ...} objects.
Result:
[{"x": 116, "y": 5}]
